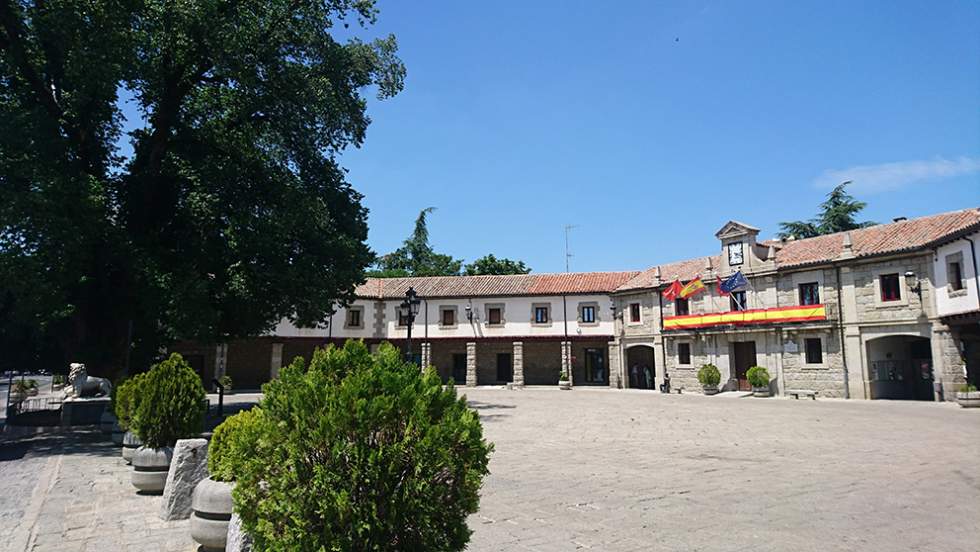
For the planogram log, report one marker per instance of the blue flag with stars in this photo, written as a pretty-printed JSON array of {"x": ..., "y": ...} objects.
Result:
[{"x": 733, "y": 282}]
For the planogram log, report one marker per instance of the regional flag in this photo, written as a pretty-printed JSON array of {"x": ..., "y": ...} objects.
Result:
[
  {"x": 692, "y": 287},
  {"x": 673, "y": 291},
  {"x": 732, "y": 283}
]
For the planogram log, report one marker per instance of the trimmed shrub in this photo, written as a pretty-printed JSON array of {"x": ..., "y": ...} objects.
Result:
[
  {"x": 124, "y": 399},
  {"x": 171, "y": 404},
  {"x": 233, "y": 443},
  {"x": 758, "y": 376},
  {"x": 709, "y": 375},
  {"x": 358, "y": 452}
]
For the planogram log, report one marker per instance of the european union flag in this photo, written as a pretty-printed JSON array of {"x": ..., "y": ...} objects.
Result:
[{"x": 734, "y": 282}]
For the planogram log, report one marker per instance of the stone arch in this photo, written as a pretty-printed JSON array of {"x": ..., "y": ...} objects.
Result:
[
  {"x": 900, "y": 366},
  {"x": 641, "y": 366}
]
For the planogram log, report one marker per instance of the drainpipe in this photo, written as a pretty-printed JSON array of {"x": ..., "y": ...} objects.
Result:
[
  {"x": 976, "y": 278},
  {"x": 840, "y": 327}
]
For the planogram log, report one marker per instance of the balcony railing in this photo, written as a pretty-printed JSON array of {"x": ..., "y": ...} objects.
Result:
[{"x": 753, "y": 317}]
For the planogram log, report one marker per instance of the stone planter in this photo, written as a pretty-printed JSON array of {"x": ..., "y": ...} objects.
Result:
[
  {"x": 710, "y": 389},
  {"x": 117, "y": 434},
  {"x": 212, "y": 511},
  {"x": 968, "y": 399},
  {"x": 564, "y": 385},
  {"x": 150, "y": 467},
  {"x": 130, "y": 442},
  {"x": 106, "y": 422},
  {"x": 760, "y": 391}
]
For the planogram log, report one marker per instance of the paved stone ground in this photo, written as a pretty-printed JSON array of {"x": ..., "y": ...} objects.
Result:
[{"x": 607, "y": 470}]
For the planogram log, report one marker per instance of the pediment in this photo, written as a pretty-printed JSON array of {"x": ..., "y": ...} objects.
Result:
[{"x": 734, "y": 228}]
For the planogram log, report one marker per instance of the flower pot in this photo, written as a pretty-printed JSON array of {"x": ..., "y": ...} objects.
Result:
[
  {"x": 130, "y": 442},
  {"x": 710, "y": 389},
  {"x": 150, "y": 467},
  {"x": 564, "y": 385},
  {"x": 211, "y": 506},
  {"x": 117, "y": 434},
  {"x": 106, "y": 422},
  {"x": 760, "y": 391},
  {"x": 968, "y": 399}
]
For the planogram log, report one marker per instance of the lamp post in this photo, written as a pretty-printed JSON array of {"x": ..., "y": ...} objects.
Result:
[{"x": 409, "y": 309}]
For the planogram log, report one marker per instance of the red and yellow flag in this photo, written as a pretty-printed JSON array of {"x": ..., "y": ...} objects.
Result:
[
  {"x": 673, "y": 291},
  {"x": 693, "y": 287}
]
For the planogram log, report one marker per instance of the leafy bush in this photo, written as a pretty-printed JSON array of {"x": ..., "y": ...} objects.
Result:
[
  {"x": 125, "y": 397},
  {"x": 563, "y": 376},
  {"x": 758, "y": 376},
  {"x": 171, "y": 404},
  {"x": 20, "y": 386},
  {"x": 969, "y": 388},
  {"x": 233, "y": 438},
  {"x": 225, "y": 382},
  {"x": 32, "y": 384},
  {"x": 709, "y": 375},
  {"x": 358, "y": 452}
]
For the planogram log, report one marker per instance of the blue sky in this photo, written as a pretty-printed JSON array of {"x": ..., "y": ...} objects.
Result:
[{"x": 650, "y": 124}]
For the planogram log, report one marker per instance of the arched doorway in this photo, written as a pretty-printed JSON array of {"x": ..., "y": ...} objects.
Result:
[
  {"x": 641, "y": 370},
  {"x": 900, "y": 367}
]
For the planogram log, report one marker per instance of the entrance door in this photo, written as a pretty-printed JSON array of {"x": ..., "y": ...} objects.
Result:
[
  {"x": 505, "y": 368},
  {"x": 595, "y": 366},
  {"x": 459, "y": 368},
  {"x": 743, "y": 358}
]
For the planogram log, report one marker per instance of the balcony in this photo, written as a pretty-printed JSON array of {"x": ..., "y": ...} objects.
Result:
[{"x": 754, "y": 317}]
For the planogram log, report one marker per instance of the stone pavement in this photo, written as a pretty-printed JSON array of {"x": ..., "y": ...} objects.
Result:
[{"x": 607, "y": 470}]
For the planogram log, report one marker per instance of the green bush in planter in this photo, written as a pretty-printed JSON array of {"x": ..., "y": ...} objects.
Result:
[
  {"x": 171, "y": 404},
  {"x": 758, "y": 376},
  {"x": 709, "y": 376},
  {"x": 233, "y": 443},
  {"x": 124, "y": 399},
  {"x": 358, "y": 452}
]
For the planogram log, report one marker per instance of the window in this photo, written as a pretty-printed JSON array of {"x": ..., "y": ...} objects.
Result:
[
  {"x": 402, "y": 318},
  {"x": 588, "y": 314},
  {"x": 353, "y": 318},
  {"x": 681, "y": 307},
  {"x": 890, "y": 287},
  {"x": 814, "y": 350},
  {"x": 738, "y": 301},
  {"x": 634, "y": 312},
  {"x": 683, "y": 353},
  {"x": 954, "y": 271},
  {"x": 447, "y": 317},
  {"x": 809, "y": 294},
  {"x": 494, "y": 317},
  {"x": 541, "y": 315}
]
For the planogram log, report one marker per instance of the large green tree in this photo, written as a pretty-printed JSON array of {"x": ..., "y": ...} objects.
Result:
[
  {"x": 416, "y": 257},
  {"x": 231, "y": 210},
  {"x": 490, "y": 264},
  {"x": 837, "y": 214}
]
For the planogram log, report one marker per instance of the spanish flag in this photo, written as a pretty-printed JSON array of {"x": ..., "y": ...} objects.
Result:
[{"x": 693, "y": 287}]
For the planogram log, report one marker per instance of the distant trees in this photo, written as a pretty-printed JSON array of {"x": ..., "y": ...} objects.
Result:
[
  {"x": 837, "y": 214},
  {"x": 416, "y": 257}
]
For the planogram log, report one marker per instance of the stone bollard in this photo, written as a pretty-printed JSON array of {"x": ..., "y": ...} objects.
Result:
[
  {"x": 238, "y": 539},
  {"x": 188, "y": 467}
]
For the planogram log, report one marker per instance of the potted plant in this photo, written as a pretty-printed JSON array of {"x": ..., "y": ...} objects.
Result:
[
  {"x": 225, "y": 381},
  {"x": 564, "y": 382},
  {"x": 18, "y": 393},
  {"x": 232, "y": 442},
  {"x": 171, "y": 406},
  {"x": 709, "y": 377},
  {"x": 968, "y": 397},
  {"x": 31, "y": 388},
  {"x": 57, "y": 382},
  {"x": 124, "y": 400},
  {"x": 759, "y": 379}
]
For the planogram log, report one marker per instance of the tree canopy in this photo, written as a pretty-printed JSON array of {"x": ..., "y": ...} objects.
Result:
[
  {"x": 416, "y": 257},
  {"x": 837, "y": 214},
  {"x": 230, "y": 213}
]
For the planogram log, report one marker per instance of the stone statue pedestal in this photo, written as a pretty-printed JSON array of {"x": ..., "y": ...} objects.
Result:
[{"x": 83, "y": 411}]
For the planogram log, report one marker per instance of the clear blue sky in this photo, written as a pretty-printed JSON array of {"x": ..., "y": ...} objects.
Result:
[{"x": 650, "y": 124}]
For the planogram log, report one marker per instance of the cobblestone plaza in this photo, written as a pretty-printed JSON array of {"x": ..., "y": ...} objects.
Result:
[{"x": 608, "y": 470}]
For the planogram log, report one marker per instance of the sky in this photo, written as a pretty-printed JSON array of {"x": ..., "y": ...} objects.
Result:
[{"x": 648, "y": 125}]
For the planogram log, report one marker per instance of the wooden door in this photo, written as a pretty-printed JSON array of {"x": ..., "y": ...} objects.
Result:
[
  {"x": 505, "y": 368},
  {"x": 459, "y": 368},
  {"x": 743, "y": 358}
]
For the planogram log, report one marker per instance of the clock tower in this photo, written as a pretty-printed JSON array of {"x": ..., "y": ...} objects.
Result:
[{"x": 739, "y": 250}]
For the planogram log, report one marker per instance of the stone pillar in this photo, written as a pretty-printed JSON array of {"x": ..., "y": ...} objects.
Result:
[
  {"x": 948, "y": 364},
  {"x": 426, "y": 355},
  {"x": 566, "y": 360},
  {"x": 659, "y": 361},
  {"x": 471, "y": 364},
  {"x": 519, "y": 363},
  {"x": 220, "y": 360},
  {"x": 615, "y": 364},
  {"x": 276, "y": 361}
]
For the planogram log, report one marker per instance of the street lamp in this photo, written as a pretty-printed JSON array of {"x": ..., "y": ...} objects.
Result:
[{"x": 409, "y": 309}]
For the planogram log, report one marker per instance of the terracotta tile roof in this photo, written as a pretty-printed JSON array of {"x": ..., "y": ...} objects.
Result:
[
  {"x": 680, "y": 270},
  {"x": 492, "y": 286},
  {"x": 883, "y": 239}
]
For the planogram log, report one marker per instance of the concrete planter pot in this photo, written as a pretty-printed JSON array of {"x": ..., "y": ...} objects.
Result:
[
  {"x": 107, "y": 422},
  {"x": 150, "y": 467},
  {"x": 968, "y": 399},
  {"x": 710, "y": 389},
  {"x": 564, "y": 385},
  {"x": 212, "y": 508},
  {"x": 130, "y": 442},
  {"x": 760, "y": 391}
]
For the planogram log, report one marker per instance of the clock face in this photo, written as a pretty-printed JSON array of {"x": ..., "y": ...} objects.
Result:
[{"x": 735, "y": 253}]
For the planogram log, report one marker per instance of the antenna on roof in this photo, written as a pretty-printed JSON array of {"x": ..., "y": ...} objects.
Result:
[{"x": 568, "y": 254}]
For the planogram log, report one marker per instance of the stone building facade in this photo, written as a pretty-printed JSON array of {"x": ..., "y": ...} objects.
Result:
[{"x": 880, "y": 312}]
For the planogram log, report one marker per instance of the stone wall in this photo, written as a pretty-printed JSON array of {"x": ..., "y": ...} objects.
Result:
[
  {"x": 826, "y": 378},
  {"x": 542, "y": 362}
]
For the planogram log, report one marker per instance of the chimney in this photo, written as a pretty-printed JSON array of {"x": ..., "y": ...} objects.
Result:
[
  {"x": 848, "y": 251},
  {"x": 656, "y": 275},
  {"x": 899, "y": 219}
]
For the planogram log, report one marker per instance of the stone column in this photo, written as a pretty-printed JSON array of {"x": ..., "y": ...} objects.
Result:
[
  {"x": 519, "y": 363},
  {"x": 220, "y": 360},
  {"x": 471, "y": 364},
  {"x": 659, "y": 361},
  {"x": 276, "y": 361},
  {"x": 426, "y": 355},
  {"x": 566, "y": 360},
  {"x": 613, "y": 369}
]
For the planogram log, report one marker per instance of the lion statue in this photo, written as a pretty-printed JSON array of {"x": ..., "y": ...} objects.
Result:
[{"x": 80, "y": 384}]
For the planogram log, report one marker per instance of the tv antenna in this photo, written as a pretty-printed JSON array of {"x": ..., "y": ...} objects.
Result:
[{"x": 568, "y": 254}]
